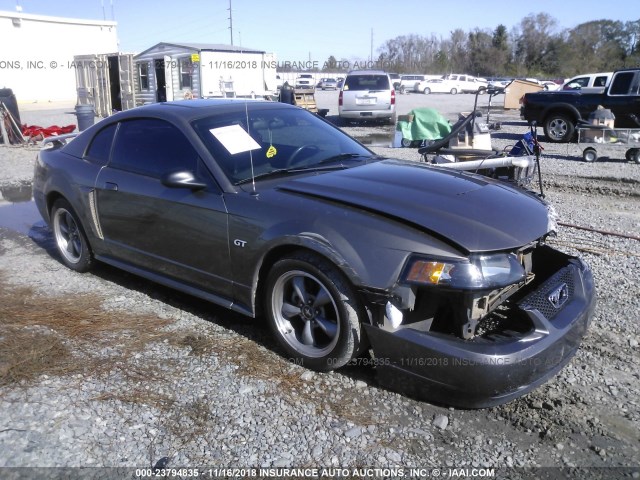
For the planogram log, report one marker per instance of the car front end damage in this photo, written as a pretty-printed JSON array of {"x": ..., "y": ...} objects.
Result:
[{"x": 483, "y": 332}]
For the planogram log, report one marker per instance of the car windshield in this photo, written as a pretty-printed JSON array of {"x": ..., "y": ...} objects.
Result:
[
  {"x": 260, "y": 141},
  {"x": 367, "y": 82}
]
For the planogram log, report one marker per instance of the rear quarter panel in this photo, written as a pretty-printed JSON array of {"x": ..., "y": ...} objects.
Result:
[{"x": 58, "y": 174}]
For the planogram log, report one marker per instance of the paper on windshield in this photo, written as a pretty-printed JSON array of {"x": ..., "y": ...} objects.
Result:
[{"x": 235, "y": 139}]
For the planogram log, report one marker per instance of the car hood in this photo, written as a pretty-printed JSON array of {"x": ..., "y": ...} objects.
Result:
[{"x": 473, "y": 212}]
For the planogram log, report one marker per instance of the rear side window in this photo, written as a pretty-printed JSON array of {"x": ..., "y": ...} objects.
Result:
[
  {"x": 600, "y": 82},
  {"x": 152, "y": 147},
  {"x": 100, "y": 148},
  {"x": 621, "y": 83},
  {"x": 367, "y": 82}
]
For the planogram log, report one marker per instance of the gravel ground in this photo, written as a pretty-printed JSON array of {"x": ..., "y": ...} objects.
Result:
[{"x": 158, "y": 374}]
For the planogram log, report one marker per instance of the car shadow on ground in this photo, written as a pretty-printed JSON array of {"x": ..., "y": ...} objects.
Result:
[{"x": 255, "y": 330}]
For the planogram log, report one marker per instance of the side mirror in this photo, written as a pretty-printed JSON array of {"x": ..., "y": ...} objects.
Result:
[{"x": 182, "y": 179}]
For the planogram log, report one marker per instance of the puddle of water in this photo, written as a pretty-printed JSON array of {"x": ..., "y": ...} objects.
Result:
[
  {"x": 21, "y": 217},
  {"x": 381, "y": 139}
]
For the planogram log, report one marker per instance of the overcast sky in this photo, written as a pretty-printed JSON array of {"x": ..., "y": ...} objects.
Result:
[{"x": 313, "y": 30}]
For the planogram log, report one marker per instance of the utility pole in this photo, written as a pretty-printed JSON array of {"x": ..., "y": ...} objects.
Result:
[
  {"x": 371, "y": 51},
  {"x": 231, "y": 22}
]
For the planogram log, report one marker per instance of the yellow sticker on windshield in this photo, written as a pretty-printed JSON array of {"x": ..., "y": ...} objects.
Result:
[{"x": 271, "y": 152}]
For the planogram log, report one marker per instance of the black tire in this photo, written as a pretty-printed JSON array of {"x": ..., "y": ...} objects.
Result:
[
  {"x": 426, "y": 90},
  {"x": 392, "y": 120},
  {"x": 454, "y": 91},
  {"x": 635, "y": 155},
  {"x": 559, "y": 128},
  {"x": 406, "y": 143},
  {"x": 70, "y": 239},
  {"x": 313, "y": 312},
  {"x": 589, "y": 155}
]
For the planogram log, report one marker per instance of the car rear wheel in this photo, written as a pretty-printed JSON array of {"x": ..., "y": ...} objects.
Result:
[
  {"x": 71, "y": 241},
  {"x": 558, "y": 128},
  {"x": 313, "y": 311},
  {"x": 454, "y": 91}
]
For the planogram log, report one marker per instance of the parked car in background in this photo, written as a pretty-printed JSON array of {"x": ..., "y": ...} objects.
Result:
[
  {"x": 550, "y": 86},
  {"x": 467, "y": 83},
  {"x": 328, "y": 84},
  {"x": 367, "y": 95},
  {"x": 589, "y": 82},
  {"x": 304, "y": 81},
  {"x": 437, "y": 85},
  {"x": 268, "y": 210},
  {"x": 409, "y": 83},
  {"x": 560, "y": 113},
  {"x": 498, "y": 82},
  {"x": 395, "y": 80}
]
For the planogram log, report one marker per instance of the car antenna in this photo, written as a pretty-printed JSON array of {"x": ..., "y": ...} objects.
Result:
[{"x": 253, "y": 177}]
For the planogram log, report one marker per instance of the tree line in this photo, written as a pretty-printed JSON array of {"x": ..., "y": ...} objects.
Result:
[{"x": 534, "y": 48}]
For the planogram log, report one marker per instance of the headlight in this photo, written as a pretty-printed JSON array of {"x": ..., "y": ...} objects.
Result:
[{"x": 476, "y": 273}]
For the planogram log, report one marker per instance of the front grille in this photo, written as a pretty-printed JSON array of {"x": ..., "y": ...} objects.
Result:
[{"x": 539, "y": 299}]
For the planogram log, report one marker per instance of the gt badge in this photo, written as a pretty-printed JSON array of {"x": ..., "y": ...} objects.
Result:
[{"x": 239, "y": 243}]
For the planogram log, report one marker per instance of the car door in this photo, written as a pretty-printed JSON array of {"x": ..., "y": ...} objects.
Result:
[
  {"x": 177, "y": 233},
  {"x": 624, "y": 98}
]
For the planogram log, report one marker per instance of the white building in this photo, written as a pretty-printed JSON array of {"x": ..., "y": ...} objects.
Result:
[
  {"x": 171, "y": 71},
  {"x": 36, "y": 53}
]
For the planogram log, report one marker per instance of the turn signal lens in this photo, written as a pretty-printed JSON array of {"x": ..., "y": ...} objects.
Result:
[{"x": 423, "y": 271}]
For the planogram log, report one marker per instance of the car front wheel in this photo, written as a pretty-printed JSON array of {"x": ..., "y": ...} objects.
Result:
[
  {"x": 426, "y": 91},
  {"x": 313, "y": 312},
  {"x": 71, "y": 241},
  {"x": 454, "y": 91},
  {"x": 558, "y": 128}
]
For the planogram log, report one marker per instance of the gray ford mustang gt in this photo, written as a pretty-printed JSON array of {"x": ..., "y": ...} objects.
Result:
[{"x": 269, "y": 210}]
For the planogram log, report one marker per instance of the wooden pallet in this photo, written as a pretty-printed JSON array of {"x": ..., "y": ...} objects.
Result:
[{"x": 306, "y": 99}]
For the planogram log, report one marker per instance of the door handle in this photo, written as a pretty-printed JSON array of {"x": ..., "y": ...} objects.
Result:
[{"x": 111, "y": 186}]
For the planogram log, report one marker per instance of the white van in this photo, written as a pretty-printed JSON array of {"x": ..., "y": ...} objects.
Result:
[{"x": 589, "y": 82}]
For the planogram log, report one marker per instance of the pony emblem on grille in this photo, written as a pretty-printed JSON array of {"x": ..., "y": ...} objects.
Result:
[{"x": 559, "y": 295}]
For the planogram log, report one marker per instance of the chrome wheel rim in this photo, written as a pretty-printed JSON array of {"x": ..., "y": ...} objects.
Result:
[
  {"x": 305, "y": 314},
  {"x": 557, "y": 128},
  {"x": 67, "y": 235}
]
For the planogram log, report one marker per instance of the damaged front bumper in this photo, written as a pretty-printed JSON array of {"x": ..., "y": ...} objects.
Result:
[{"x": 493, "y": 369}]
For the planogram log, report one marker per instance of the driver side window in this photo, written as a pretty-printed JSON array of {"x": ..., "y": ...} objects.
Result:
[{"x": 152, "y": 147}]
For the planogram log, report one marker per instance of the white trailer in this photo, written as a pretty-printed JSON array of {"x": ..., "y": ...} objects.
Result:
[{"x": 170, "y": 71}]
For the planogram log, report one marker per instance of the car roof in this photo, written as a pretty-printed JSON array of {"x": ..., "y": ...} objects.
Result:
[
  {"x": 367, "y": 72},
  {"x": 197, "y": 108},
  {"x": 178, "y": 112}
]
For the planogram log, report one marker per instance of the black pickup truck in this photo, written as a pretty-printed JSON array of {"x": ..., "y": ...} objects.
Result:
[{"x": 559, "y": 112}]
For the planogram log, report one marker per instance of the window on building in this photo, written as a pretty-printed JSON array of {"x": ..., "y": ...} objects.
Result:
[
  {"x": 186, "y": 73},
  {"x": 143, "y": 75}
]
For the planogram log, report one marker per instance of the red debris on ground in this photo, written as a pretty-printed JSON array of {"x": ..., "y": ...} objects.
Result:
[{"x": 34, "y": 130}]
